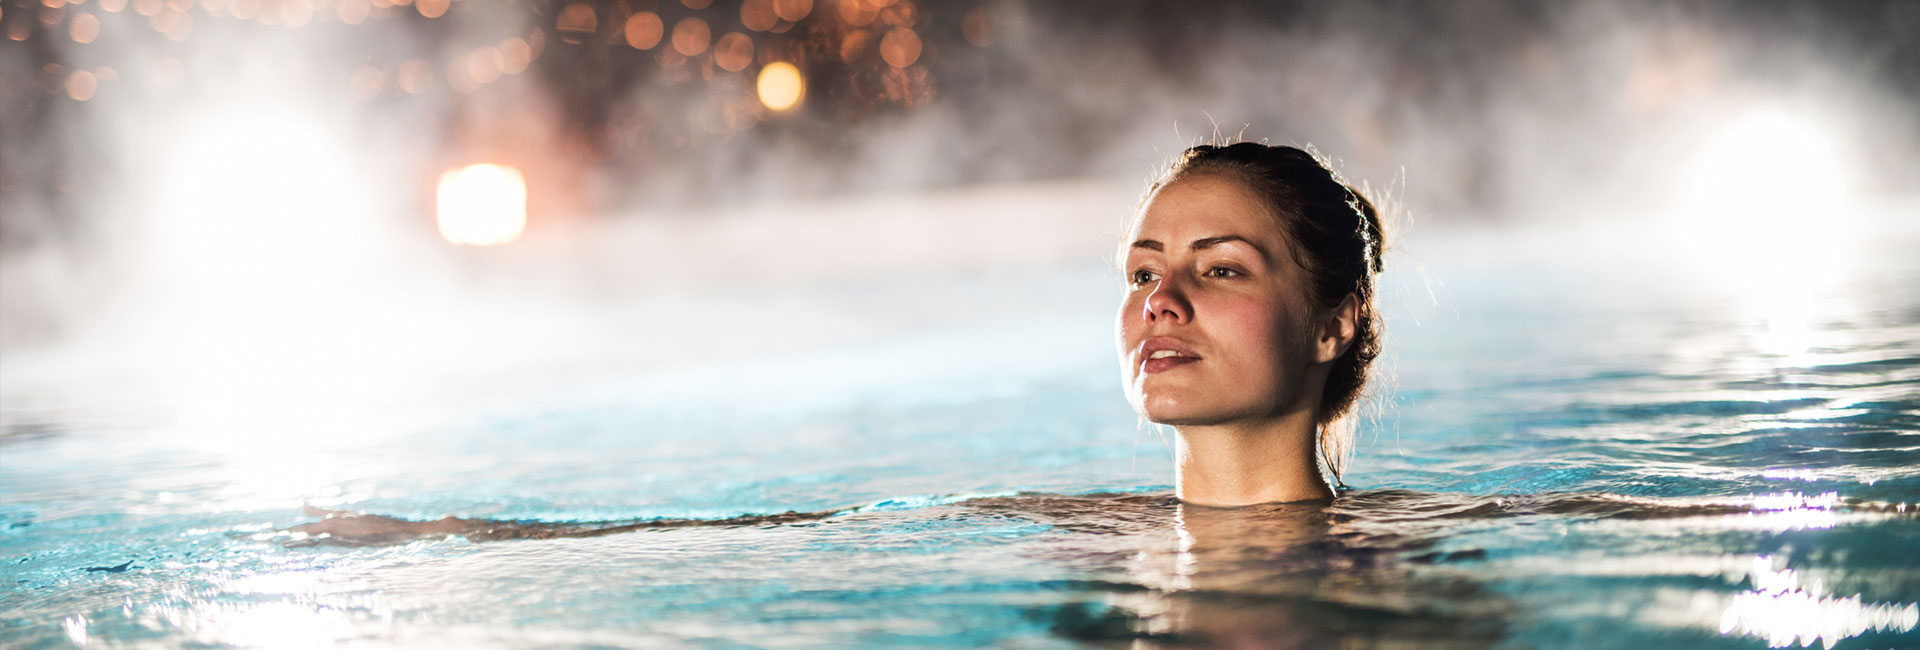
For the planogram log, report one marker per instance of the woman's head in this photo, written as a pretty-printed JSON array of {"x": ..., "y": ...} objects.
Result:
[{"x": 1250, "y": 275}]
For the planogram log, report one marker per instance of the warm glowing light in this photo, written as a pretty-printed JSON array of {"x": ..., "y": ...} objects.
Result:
[
  {"x": 176, "y": 25},
  {"x": 297, "y": 13},
  {"x": 733, "y": 52},
  {"x": 84, "y": 28},
  {"x": 781, "y": 87},
  {"x": 575, "y": 21},
  {"x": 977, "y": 27},
  {"x": 113, "y": 6},
  {"x": 792, "y": 10},
  {"x": 482, "y": 205},
  {"x": 81, "y": 85},
  {"x": 856, "y": 12},
  {"x": 484, "y": 64},
  {"x": 515, "y": 55},
  {"x": 758, "y": 15},
  {"x": 855, "y": 44},
  {"x": 352, "y": 12},
  {"x": 644, "y": 30},
  {"x": 900, "y": 47},
  {"x": 696, "y": 4},
  {"x": 432, "y": 8},
  {"x": 691, "y": 36}
]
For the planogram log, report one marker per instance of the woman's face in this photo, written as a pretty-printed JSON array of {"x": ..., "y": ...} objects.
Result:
[{"x": 1216, "y": 325}]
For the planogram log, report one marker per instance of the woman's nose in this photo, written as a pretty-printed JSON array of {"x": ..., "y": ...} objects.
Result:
[{"x": 1168, "y": 300}]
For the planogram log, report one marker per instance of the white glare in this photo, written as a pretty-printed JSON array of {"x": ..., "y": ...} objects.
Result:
[
  {"x": 1784, "y": 611},
  {"x": 1768, "y": 190},
  {"x": 481, "y": 205},
  {"x": 1768, "y": 214}
]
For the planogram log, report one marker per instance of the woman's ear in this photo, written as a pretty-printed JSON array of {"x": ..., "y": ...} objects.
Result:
[{"x": 1337, "y": 330}]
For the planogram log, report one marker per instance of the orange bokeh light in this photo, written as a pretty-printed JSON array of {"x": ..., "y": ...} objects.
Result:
[
  {"x": 81, "y": 85},
  {"x": 758, "y": 15},
  {"x": 691, "y": 36},
  {"x": 900, "y": 47},
  {"x": 733, "y": 52},
  {"x": 84, "y": 28},
  {"x": 792, "y": 10},
  {"x": 644, "y": 30}
]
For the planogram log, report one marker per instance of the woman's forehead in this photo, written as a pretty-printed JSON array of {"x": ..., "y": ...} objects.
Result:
[{"x": 1198, "y": 207}]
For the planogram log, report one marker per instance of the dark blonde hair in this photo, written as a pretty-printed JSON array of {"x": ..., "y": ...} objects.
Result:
[{"x": 1334, "y": 233}]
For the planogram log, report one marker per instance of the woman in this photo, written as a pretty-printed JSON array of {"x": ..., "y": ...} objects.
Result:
[
  {"x": 1248, "y": 326},
  {"x": 1249, "y": 321}
]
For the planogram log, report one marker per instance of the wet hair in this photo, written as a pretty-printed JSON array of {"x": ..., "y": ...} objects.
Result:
[{"x": 1334, "y": 233}]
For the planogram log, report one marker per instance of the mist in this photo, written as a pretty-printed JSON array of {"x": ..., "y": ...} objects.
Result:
[{"x": 225, "y": 211}]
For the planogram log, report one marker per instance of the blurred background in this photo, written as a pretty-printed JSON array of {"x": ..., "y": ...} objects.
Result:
[
  {"x": 226, "y": 212},
  {"x": 590, "y": 260}
]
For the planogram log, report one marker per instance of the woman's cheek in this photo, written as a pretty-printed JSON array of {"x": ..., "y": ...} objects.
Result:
[{"x": 1252, "y": 331}]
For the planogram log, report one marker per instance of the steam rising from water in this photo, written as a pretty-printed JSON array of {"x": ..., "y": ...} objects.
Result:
[{"x": 242, "y": 214}]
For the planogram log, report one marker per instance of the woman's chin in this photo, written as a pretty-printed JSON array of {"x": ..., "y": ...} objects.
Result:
[{"x": 1175, "y": 412}]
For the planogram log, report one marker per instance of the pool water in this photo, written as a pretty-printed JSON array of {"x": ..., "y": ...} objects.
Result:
[{"x": 1600, "y": 450}]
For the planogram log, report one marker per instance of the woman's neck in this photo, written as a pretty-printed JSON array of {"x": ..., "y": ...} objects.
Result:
[{"x": 1245, "y": 464}]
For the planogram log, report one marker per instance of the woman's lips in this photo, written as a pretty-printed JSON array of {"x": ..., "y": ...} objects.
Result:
[
  {"x": 1163, "y": 353},
  {"x": 1155, "y": 366}
]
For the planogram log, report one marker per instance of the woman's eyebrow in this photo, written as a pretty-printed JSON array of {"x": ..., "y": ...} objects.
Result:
[
  {"x": 1210, "y": 242},
  {"x": 1150, "y": 245}
]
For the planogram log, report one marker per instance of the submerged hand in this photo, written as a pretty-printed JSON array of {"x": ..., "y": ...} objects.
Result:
[{"x": 358, "y": 529}]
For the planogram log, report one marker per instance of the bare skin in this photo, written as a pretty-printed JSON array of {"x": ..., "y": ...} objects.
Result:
[
  {"x": 343, "y": 528},
  {"x": 1211, "y": 281}
]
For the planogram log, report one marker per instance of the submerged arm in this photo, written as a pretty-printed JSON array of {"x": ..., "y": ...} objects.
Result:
[{"x": 343, "y": 528}]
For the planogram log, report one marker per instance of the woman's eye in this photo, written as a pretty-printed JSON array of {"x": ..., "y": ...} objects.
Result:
[
  {"x": 1140, "y": 277},
  {"x": 1221, "y": 272}
]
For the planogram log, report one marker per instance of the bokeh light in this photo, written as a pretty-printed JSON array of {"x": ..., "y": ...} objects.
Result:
[
  {"x": 691, "y": 36},
  {"x": 792, "y": 11},
  {"x": 482, "y": 205},
  {"x": 84, "y": 28},
  {"x": 644, "y": 30},
  {"x": 977, "y": 27},
  {"x": 900, "y": 47},
  {"x": 576, "y": 22},
  {"x": 733, "y": 52},
  {"x": 855, "y": 44},
  {"x": 758, "y": 15},
  {"x": 81, "y": 85},
  {"x": 781, "y": 88},
  {"x": 515, "y": 55}
]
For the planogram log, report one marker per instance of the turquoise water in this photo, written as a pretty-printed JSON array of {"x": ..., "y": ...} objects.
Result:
[{"x": 1602, "y": 451}]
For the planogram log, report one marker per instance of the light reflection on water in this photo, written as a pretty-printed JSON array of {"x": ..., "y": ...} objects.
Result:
[
  {"x": 1687, "y": 480},
  {"x": 1784, "y": 611}
]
